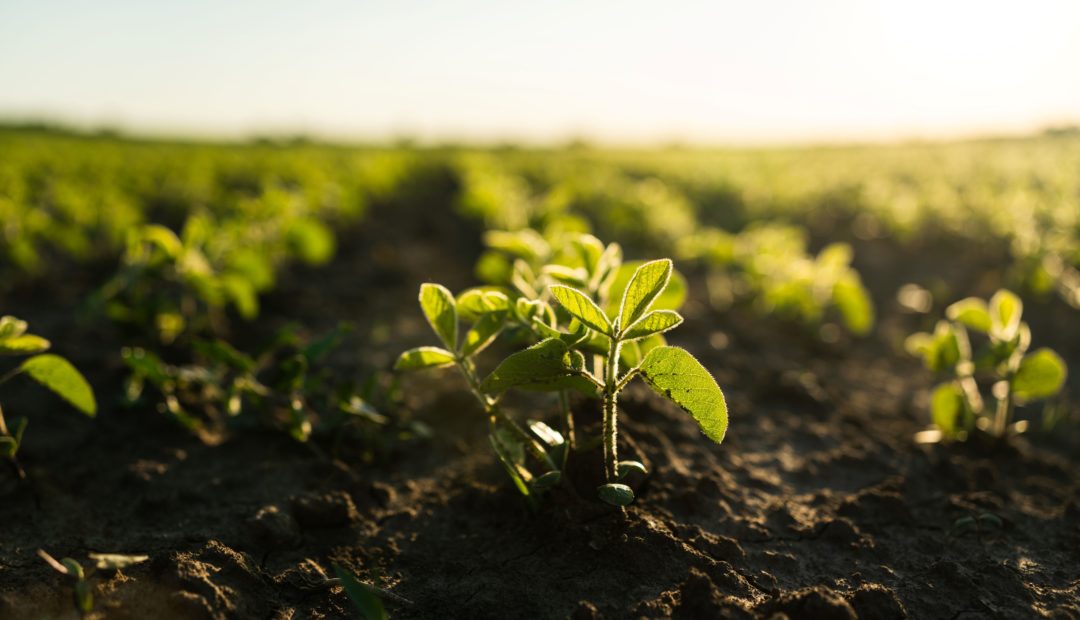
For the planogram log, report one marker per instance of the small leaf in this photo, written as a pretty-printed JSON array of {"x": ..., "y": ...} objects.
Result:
[
  {"x": 483, "y": 333},
  {"x": 1041, "y": 374},
  {"x": 615, "y": 494},
  {"x": 581, "y": 307},
  {"x": 424, "y": 357},
  {"x": 543, "y": 363},
  {"x": 675, "y": 374},
  {"x": 1005, "y": 311},
  {"x": 57, "y": 374},
  {"x": 25, "y": 344},
  {"x": 854, "y": 304},
  {"x": 441, "y": 311},
  {"x": 655, "y": 322},
  {"x": 364, "y": 598},
  {"x": 551, "y": 437},
  {"x": 645, "y": 286},
  {"x": 972, "y": 312},
  {"x": 628, "y": 467},
  {"x": 947, "y": 408},
  {"x": 512, "y": 455},
  {"x": 11, "y": 327}
]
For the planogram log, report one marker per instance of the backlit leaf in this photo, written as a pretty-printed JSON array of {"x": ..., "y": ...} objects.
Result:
[
  {"x": 541, "y": 364},
  {"x": 655, "y": 322},
  {"x": 441, "y": 311},
  {"x": 972, "y": 312},
  {"x": 1041, "y": 374},
  {"x": 581, "y": 307},
  {"x": 424, "y": 357},
  {"x": 57, "y": 374},
  {"x": 645, "y": 286},
  {"x": 675, "y": 374}
]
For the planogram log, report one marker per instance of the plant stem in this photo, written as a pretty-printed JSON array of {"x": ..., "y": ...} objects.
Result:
[
  {"x": 611, "y": 396},
  {"x": 1003, "y": 414},
  {"x": 568, "y": 420},
  {"x": 496, "y": 414}
]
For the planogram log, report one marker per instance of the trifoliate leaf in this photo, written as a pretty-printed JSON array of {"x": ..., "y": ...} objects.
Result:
[{"x": 544, "y": 363}]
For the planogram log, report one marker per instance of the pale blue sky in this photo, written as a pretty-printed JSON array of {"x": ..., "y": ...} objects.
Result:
[{"x": 765, "y": 71}]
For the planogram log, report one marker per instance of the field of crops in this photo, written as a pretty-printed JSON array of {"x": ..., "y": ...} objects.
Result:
[{"x": 284, "y": 379}]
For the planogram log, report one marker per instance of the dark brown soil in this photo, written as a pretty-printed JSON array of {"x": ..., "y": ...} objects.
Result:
[{"x": 817, "y": 505}]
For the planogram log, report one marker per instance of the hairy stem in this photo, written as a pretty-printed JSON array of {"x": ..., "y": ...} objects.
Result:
[{"x": 611, "y": 397}]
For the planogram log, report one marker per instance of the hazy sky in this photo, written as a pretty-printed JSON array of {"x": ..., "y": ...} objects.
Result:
[{"x": 747, "y": 71}]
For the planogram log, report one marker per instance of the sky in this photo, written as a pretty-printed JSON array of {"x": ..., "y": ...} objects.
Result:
[{"x": 620, "y": 72}]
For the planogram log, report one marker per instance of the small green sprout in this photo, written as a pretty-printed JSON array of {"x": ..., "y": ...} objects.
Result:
[
  {"x": 1016, "y": 376},
  {"x": 621, "y": 334},
  {"x": 83, "y": 593},
  {"x": 286, "y": 382},
  {"x": 51, "y": 371}
]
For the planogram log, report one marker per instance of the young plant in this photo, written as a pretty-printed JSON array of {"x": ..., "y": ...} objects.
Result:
[
  {"x": 51, "y": 371},
  {"x": 285, "y": 382},
  {"x": 621, "y": 334},
  {"x": 671, "y": 371},
  {"x": 490, "y": 310},
  {"x": 83, "y": 596},
  {"x": 1016, "y": 376}
]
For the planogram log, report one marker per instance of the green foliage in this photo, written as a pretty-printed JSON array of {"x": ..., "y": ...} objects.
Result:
[
  {"x": 50, "y": 371},
  {"x": 677, "y": 375},
  {"x": 286, "y": 383},
  {"x": 82, "y": 592},
  {"x": 771, "y": 266},
  {"x": 556, "y": 298},
  {"x": 1016, "y": 375}
]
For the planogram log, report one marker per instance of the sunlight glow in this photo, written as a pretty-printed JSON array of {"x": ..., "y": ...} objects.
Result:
[{"x": 777, "y": 70}]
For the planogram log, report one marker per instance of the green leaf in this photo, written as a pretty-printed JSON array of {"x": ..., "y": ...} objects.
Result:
[
  {"x": 671, "y": 298},
  {"x": 440, "y": 308},
  {"x": 364, "y": 598},
  {"x": 626, "y": 468},
  {"x": 972, "y": 312},
  {"x": 25, "y": 344},
  {"x": 655, "y": 322},
  {"x": 11, "y": 327},
  {"x": 544, "y": 363},
  {"x": 424, "y": 357},
  {"x": 1041, "y": 374},
  {"x": 475, "y": 302},
  {"x": 947, "y": 408},
  {"x": 581, "y": 307},
  {"x": 675, "y": 374},
  {"x": 854, "y": 304},
  {"x": 615, "y": 494},
  {"x": 645, "y": 286},
  {"x": 483, "y": 333},
  {"x": 58, "y": 375},
  {"x": 1005, "y": 311}
]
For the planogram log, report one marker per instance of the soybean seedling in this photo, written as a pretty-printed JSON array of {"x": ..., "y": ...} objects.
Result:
[
  {"x": 82, "y": 595},
  {"x": 671, "y": 371},
  {"x": 1016, "y": 376},
  {"x": 51, "y": 371},
  {"x": 508, "y": 438}
]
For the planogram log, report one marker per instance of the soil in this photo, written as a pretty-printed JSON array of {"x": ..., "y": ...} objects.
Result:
[{"x": 817, "y": 505}]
